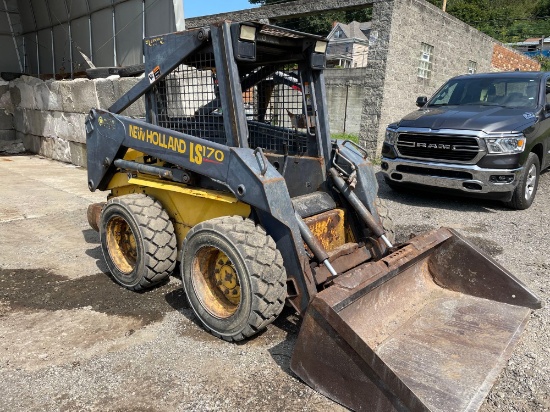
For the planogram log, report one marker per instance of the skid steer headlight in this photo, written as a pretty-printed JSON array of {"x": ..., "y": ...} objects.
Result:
[
  {"x": 391, "y": 136},
  {"x": 247, "y": 33},
  {"x": 505, "y": 144},
  {"x": 321, "y": 46}
]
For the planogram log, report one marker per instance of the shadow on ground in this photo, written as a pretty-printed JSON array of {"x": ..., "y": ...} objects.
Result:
[{"x": 432, "y": 198}]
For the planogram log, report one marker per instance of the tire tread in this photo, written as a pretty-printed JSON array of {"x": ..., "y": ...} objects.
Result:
[
  {"x": 267, "y": 273},
  {"x": 157, "y": 231}
]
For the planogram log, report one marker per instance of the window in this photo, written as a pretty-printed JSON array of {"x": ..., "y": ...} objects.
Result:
[
  {"x": 472, "y": 67},
  {"x": 548, "y": 91},
  {"x": 502, "y": 91},
  {"x": 426, "y": 58},
  {"x": 443, "y": 96}
]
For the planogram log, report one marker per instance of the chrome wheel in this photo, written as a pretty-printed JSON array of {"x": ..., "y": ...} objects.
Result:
[{"x": 530, "y": 182}]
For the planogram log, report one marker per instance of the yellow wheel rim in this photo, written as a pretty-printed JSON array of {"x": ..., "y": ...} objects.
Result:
[
  {"x": 121, "y": 244},
  {"x": 216, "y": 282}
]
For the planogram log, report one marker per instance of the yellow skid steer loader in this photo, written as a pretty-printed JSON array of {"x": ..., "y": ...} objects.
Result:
[{"x": 233, "y": 173}]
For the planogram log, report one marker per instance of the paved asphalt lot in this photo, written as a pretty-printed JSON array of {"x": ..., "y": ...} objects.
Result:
[{"x": 71, "y": 339}]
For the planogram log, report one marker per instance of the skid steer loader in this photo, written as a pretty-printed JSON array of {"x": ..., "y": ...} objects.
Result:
[{"x": 233, "y": 173}]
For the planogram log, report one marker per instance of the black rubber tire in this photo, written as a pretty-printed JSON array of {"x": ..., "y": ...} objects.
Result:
[
  {"x": 256, "y": 262},
  {"x": 153, "y": 257},
  {"x": 522, "y": 198},
  {"x": 385, "y": 216}
]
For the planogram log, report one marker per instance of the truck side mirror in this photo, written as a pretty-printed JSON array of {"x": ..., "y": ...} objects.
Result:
[{"x": 421, "y": 101}]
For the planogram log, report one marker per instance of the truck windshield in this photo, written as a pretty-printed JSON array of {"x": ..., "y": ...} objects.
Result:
[{"x": 505, "y": 92}]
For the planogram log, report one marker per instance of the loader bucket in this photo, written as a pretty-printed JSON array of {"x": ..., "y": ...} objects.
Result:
[{"x": 429, "y": 327}]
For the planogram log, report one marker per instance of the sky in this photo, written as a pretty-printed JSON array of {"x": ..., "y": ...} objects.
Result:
[{"x": 194, "y": 8}]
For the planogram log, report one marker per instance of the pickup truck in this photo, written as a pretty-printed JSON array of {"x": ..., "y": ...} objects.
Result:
[{"x": 482, "y": 135}]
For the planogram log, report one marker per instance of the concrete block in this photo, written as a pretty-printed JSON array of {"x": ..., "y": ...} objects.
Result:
[
  {"x": 30, "y": 142},
  {"x": 7, "y": 135},
  {"x": 78, "y": 154},
  {"x": 35, "y": 122},
  {"x": 84, "y": 95},
  {"x": 105, "y": 92},
  {"x": 60, "y": 150},
  {"x": 57, "y": 149},
  {"x": 70, "y": 126},
  {"x": 121, "y": 86},
  {"x": 48, "y": 97},
  {"x": 46, "y": 147},
  {"x": 11, "y": 147},
  {"x": 6, "y": 120},
  {"x": 19, "y": 120},
  {"x": 51, "y": 148},
  {"x": 6, "y": 104},
  {"x": 23, "y": 92},
  {"x": 66, "y": 93},
  {"x": 56, "y": 125}
]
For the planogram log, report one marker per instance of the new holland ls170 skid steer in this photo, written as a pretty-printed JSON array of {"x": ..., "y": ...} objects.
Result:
[{"x": 234, "y": 174}]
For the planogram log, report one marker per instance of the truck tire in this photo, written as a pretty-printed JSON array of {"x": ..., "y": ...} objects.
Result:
[
  {"x": 233, "y": 277},
  {"x": 385, "y": 216},
  {"x": 525, "y": 191},
  {"x": 137, "y": 240}
]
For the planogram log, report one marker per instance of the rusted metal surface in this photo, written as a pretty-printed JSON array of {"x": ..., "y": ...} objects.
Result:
[
  {"x": 93, "y": 212},
  {"x": 407, "y": 333},
  {"x": 328, "y": 228},
  {"x": 343, "y": 259}
]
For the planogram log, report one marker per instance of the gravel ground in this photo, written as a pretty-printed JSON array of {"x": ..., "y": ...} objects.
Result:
[{"x": 73, "y": 340}]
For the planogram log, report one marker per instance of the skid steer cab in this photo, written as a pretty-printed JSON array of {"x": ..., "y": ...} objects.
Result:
[{"x": 233, "y": 173}]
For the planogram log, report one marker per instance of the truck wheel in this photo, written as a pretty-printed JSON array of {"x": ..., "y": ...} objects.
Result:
[
  {"x": 233, "y": 277},
  {"x": 525, "y": 191},
  {"x": 385, "y": 216},
  {"x": 137, "y": 240}
]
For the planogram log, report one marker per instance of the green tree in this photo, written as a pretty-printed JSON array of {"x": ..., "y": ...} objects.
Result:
[{"x": 505, "y": 20}]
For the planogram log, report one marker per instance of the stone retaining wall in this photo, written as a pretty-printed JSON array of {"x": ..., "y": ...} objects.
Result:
[{"x": 49, "y": 116}]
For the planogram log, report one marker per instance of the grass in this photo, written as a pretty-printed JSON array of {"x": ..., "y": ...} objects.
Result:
[
  {"x": 345, "y": 136},
  {"x": 355, "y": 139}
]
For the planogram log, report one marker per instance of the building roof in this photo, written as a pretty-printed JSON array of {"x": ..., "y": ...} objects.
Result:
[
  {"x": 354, "y": 30},
  {"x": 535, "y": 40},
  {"x": 532, "y": 41}
]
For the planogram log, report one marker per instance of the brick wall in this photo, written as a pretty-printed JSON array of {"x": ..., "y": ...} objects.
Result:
[{"x": 505, "y": 59}]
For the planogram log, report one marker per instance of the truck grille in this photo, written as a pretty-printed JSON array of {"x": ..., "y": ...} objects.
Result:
[{"x": 441, "y": 147}]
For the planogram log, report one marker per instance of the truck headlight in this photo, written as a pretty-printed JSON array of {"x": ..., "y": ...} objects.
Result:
[
  {"x": 391, "y": 136},
  {"x": 505, "y": 145}
]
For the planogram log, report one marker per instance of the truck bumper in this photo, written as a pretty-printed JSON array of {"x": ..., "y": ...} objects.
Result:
[{"x": 469, "y": 179}]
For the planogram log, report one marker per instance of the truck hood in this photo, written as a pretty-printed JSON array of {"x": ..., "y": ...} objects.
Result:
[{"x": 489, "y": 119}]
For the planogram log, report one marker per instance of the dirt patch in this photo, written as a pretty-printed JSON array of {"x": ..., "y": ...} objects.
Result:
[
  {"x": 46, "y": 319},
  {"x": 43, "y": 290}
]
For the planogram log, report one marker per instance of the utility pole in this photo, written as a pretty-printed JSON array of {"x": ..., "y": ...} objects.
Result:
[{"x": 444, "y": 7}]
